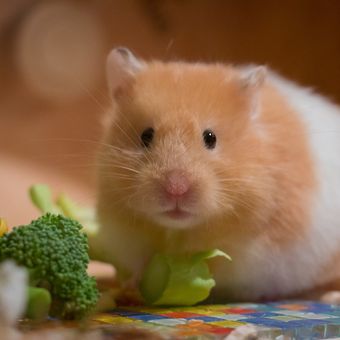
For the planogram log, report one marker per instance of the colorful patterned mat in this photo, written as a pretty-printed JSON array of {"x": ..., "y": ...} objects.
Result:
[{"x": 293, "y": 320}]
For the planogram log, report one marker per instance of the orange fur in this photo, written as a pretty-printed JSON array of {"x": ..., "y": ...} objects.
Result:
[{"x": 256, "y": 184}]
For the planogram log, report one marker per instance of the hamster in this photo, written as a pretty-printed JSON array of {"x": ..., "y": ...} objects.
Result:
[{"x": 199, "y": 156}]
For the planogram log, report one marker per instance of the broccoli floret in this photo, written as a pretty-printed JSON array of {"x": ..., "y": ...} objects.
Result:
[{"x": 55, "y": 251}]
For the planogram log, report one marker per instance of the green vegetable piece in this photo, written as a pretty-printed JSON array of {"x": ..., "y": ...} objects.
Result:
[
  {"x": 55, "y": 252},
  {"x": 178, "y": 280},
  {"x": 41, "y": 196},
  {"x": 67, "y": 206},
  {"x": 38, "y": 303},
  {"x": 86, "y": 216},
  {"x": 155, "y": 278}
]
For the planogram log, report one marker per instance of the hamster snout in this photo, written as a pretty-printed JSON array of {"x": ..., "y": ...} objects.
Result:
[
  {"x": 177, "y": 195},
  {"x": 177, "y": 184}
]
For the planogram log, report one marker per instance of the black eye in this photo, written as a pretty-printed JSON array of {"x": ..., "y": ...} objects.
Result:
[
  {"x": 209, "y": 139},
  {"x": 147, "y": 136}
]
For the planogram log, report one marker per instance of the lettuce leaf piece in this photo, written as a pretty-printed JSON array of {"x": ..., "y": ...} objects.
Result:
[{"x": 178, "y": 280}]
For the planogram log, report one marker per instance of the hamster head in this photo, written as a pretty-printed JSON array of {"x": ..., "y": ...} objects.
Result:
[{"x": 181, "y": 146}]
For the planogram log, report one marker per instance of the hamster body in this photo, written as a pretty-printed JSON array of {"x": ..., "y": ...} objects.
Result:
[{"x": 202, "y": 156}]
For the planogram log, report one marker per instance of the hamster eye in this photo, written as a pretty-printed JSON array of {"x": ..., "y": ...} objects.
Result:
[
  {"x": 209, "y": 139},
  {"x": 147, "y": 136}
]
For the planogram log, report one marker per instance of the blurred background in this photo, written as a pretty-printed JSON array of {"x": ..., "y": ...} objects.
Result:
[{"x": 52, "y": 81}]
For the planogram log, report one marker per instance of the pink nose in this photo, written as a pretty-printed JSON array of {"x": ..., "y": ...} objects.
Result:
[{"x": 176, "y": 183}]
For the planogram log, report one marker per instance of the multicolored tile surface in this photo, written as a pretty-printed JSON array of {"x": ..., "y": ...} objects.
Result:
[{"x": 298, "y": 320}]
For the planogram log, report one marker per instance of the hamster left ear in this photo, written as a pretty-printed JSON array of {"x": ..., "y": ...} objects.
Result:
[
  {"x": 121, "y": 68},
  {"x": 254, "y": 78},
  {"x": 252, "y": 81}
]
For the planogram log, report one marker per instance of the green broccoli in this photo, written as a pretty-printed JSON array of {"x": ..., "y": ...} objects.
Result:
[
  {"x": 55, "y": 252},
  {"x": 38, "y": 303},
  {"x": 42, "y": 198}
]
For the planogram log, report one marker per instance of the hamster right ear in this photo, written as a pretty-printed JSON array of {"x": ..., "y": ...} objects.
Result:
[
  {"x": 121, "y": 68},
  {"x": 255, "y": 77}
]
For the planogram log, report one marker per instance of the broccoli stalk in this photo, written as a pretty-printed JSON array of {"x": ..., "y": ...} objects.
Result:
[
  {"x": 55, "y": 252},
  {"x": 41, "y": 196},
  {"x": 38, "y": 303}
]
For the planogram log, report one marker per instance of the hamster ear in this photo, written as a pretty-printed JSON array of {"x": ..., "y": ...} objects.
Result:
[
  {"x": 121, "y": 67},
  {"x": 252, "y": 81},
  {"x": 254, "y": 78}
]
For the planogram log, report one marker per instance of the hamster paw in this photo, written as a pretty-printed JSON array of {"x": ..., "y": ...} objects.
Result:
[
  {"x": 246, "y": 332},
  {"x": 129, "y": 294},
  {"x": 332, "y": 297},
  {"x": 129, "y": 298}
]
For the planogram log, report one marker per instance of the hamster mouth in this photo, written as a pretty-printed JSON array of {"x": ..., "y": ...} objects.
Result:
[
  {"x": 176, "y": 218},
  {"x": 177, "y": 214}
]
